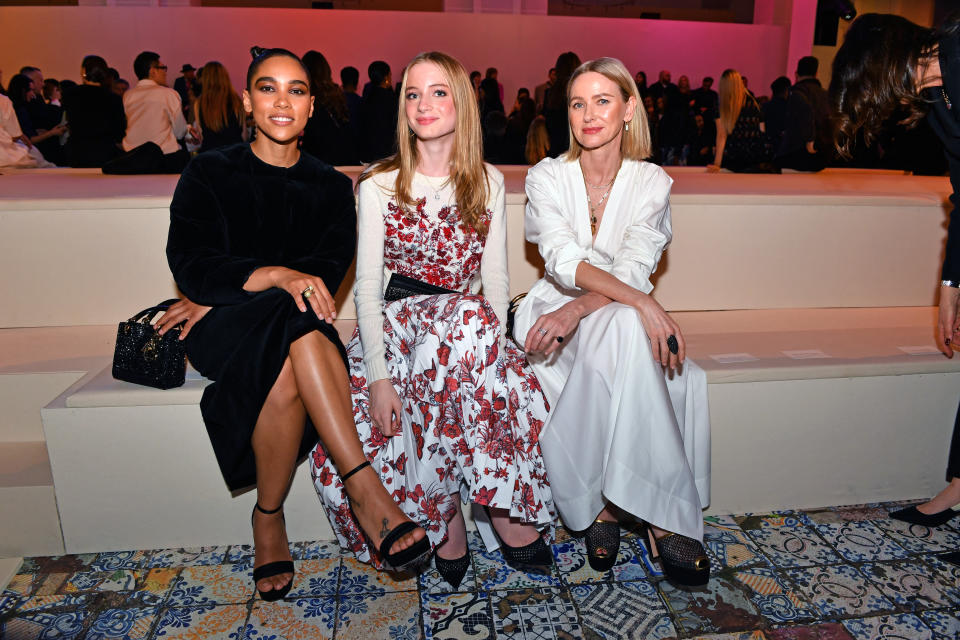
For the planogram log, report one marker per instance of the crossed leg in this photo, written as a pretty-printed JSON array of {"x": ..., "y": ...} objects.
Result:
[{"x": 313, "y": 380}]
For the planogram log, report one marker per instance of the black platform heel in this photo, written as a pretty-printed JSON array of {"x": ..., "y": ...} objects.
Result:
[
  {"x": 684, "y": 560},
  {"x": 453, "y": 570},
  {"x": 272, "y": 568},
  {"x": 603, "y": 544},
  {"x": 405, "y": 559}
]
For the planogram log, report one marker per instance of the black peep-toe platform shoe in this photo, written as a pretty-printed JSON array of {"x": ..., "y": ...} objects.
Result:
[
  {"x": 453, "y": 570},
  {"x": 272, "y": 568},
  {"x": 603, "y": 544},
  {"x": 684, "y": 560},
  {"x": 406, "y": 559},
  {"x": 913, "y": 515}
]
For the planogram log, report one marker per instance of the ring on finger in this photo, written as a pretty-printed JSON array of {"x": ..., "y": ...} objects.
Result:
[
  {"x": 542, "y": 331},
  {"x": 673, "y": 345},
  {"x": 306, "y": 293}
]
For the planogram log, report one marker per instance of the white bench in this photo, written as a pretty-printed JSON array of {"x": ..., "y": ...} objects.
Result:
[{"x": 133, "y": 467}]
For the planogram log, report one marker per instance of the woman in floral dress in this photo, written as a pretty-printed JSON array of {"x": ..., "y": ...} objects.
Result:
[{"x": 445, "y": 408}]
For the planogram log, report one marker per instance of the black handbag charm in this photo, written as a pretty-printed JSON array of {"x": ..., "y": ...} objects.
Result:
[
  {"x": 143, "y": 356},
  {"x": 399, "y": 287}
]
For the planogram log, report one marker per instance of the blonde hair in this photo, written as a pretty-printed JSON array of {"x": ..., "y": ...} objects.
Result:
[
  {"x": 467, "y": 171},
  {"x": 218, "y": 99},
  {"x": 733, "y": 95},
  {"x": 635, "y": 143},
  {"x": 538, "y": 140}
]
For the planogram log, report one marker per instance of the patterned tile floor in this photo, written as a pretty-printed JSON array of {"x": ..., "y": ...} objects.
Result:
[{"x": 839, "y": 573}]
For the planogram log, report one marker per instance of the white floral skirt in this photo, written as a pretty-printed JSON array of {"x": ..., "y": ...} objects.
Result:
[{"x": 471, "y": 422}]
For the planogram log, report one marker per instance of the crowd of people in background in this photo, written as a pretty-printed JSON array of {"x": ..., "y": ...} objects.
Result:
[{"x": 150, "y": 128}]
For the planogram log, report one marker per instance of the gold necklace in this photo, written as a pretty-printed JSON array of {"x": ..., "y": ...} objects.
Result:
[{"x": 603, "y": 197}]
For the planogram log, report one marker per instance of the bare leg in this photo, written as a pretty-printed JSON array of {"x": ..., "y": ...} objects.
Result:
[
  {"x": 512, "y": 532},
  {"x": 456, "y": 543},
  {"x": 325, "y": 390},
  {"x": 949, "y": 497},
  {"x": 275, "y": 441}
]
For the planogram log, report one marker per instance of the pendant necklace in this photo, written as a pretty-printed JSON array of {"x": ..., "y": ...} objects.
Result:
[{"x": 594, "y": 207}]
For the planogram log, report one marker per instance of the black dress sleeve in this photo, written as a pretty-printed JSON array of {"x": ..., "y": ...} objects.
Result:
[{"x": 201, "y": 266}]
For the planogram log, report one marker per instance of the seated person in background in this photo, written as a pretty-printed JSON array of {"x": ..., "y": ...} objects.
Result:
[
  {"x": 51, "y": 92},
  {"x": 15, "y": 148},
  {"x": 328, "y": 136},
  {"x": 94, "y": 116},
  {"x": 629, "y": 426},
  {"x": 700, "y": 141},
  {"x": 807, "y": 142},
  {"x": 218, "y": 113},
  {"x": 155, "y": 113},
  {"x": 741, "y": 143},
  {"x": 538, "y": 141},
  {"x": 775, "y": 111},
  {"x": 187, "y": 86},
  {"x": 21, "y": 93},
  {"x": 44, "y": 116},
  {"x": 379, "y": 114},
  {"x": 349, "y": 80}
]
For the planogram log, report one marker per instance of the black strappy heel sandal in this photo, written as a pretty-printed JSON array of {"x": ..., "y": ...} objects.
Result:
[
  {"x": 272, "y": 568},
  {"x": 405, "y": 559}
]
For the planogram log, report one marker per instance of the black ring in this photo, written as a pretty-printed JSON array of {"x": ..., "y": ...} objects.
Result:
[
  {"x": 673, "y": 345},
  {"x": 559, "y": 338}
]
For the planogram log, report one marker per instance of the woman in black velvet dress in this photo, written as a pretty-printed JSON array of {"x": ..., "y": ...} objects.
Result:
[{"x": 260, "y": 238}]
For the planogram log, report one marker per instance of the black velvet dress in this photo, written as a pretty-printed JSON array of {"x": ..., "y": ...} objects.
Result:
[{"x": 231, "y": 214}]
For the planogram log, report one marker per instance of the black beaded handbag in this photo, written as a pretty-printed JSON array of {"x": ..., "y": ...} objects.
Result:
[{"x": 143, "y": 356}]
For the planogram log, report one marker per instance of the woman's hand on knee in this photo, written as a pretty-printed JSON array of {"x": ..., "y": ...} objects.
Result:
[
  {"x": 660, "y": 327},
  {"x": 185, "y": 311},
  {"x": 306, "y": 290},
  {"x": 550, "y": 330},
  {"x": 385, "y": 407}
]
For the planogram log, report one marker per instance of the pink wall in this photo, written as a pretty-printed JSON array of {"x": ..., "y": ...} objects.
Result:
[{"x": 522, "y": 47}]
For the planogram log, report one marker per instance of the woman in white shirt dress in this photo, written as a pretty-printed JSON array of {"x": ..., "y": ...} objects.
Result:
[
  {"x": 447, "y": 410},
  {"x": 629, "y": 426}
]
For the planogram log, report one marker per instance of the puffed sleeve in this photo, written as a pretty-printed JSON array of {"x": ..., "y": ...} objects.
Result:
[
  {"x": 202, "y": 269},
  {"x": 648, "y": 233},
  {"x": 493, "y": 263},
  {"x": 336, "y": 235},
  {"x": 368, "y": 290},
  {"x": 547, "y": 224}
]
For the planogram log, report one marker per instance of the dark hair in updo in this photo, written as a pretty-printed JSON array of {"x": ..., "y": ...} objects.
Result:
[
  {"x": 95, "y": 70},
  {"x": 261, "y": 55}
]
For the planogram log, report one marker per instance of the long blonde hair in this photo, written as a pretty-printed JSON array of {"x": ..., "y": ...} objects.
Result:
[
  {"x": 218, "y": 99},
  {"x": 467, "y": 171},
  {"x": 733, "y": 96},
  {"x": 635, "y": 143}
]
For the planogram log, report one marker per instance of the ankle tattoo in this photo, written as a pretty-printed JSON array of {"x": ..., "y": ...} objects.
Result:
[{"x": 384, "y": 529}]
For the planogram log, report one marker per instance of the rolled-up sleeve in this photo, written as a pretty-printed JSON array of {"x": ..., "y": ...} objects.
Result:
[
  {"x": 548, "y": 225},
  {"x": 648, "y": 233}
]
